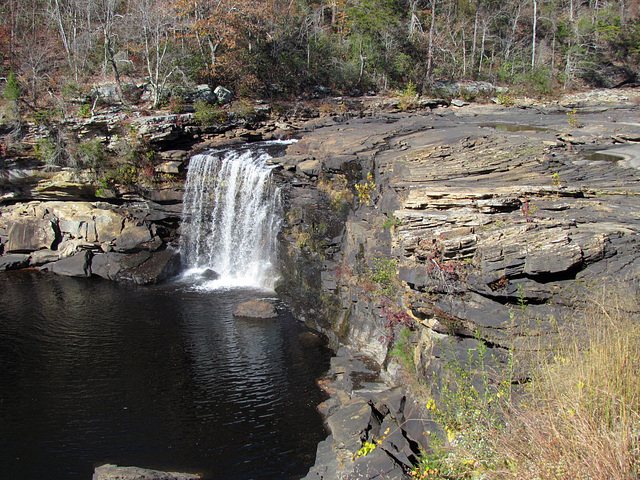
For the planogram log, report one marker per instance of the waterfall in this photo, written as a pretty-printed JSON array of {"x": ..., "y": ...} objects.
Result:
[{"x": 231, "y": 217}]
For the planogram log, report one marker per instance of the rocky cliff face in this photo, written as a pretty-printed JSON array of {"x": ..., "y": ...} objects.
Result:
[{"x": 463, "y": 219}]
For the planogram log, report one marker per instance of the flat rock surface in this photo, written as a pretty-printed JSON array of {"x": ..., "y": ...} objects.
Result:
[
  {"x": 256, "y": 309},
  {"x": 114, "y": 472}
]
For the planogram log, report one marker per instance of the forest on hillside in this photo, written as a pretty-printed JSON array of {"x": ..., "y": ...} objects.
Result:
[{"x": 51, "y": 48}]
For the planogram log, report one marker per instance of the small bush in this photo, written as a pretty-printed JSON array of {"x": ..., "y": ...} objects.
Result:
[
  {"x": 506, "y": 100},
  {"x": 408, "y": 99},
  {"x": 366, "y": 189},
  {"x": 90, "y": 153},
  {"x": 85, "y": 110},
  {"x": 48, "y": 151},
  {"x": 384, "y": 274},
  {"x": 207, "y": 114}
]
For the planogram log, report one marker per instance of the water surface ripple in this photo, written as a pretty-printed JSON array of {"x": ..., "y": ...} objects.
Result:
[{"x": 163, "y": 377}]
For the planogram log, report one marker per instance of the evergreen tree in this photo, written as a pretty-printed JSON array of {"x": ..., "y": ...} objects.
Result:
[{"x": 12, "y": 94}]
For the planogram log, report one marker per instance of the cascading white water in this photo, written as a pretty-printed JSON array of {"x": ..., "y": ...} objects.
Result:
[{"x": 231, "y": 217}]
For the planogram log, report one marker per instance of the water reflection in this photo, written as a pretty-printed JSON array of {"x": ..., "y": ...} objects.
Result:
[{"x": 161, "y": 377}]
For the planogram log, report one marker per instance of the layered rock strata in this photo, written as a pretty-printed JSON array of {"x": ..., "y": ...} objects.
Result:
[{"x": 479, "y": 227}]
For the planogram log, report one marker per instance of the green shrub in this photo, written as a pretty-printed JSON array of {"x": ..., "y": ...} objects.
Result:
[
  {"x": 384, "y": 274},
  {"x": 408, "y": 99},
  {"x": 90, "y": 153},
  {"x": 85, "y": 110},
  {"x": 47, "y": 151},
  {"x": 207, "y": 114}
]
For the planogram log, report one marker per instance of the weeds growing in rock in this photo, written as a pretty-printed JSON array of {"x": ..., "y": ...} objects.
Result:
[
  {"x": 384, "y": 274},
  {"x": 403, "y": 350},
  {"x": 528, "y": 210},
  {"x": 366, "y": 189},
  {"x": 391, "y": 222},
  {"x": 340, "y": 196},
  {"x": 444, "y": 274},
  {"x": 393, "y": 319},
  {"x": 573, "y": 120}
]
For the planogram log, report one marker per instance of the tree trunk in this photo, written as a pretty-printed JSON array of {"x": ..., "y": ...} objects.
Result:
[
  {"x": 114, "y": 65},
  {"x": 484, "y": 36},
  {"x": 431, "y": 32},
  {"x": 533, "y": 34},
  {"x": 475, "y": 41}
]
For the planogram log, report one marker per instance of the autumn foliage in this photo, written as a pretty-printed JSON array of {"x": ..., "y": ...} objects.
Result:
[{"x": 276, "y": 47}]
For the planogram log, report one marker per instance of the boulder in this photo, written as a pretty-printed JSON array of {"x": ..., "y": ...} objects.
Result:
[
  {"x": 209, "y": 274},
  {"x": 165, "y": 195},
  {"x": 29, "y": 235},
  {"x": 158, "y": 268},
  {"x": 256, "y": 309},
  {"x": 378, "y": 466},
  {"x": 132, "y": 238},
  {"x": 223, "y": 95},
  {"x": 171, "y": 167},
  {"x": 78, "y": 265},
  {"x": 108, "y": 225},
  {"x": 109, "y": 265},
  {"x": 41, "y": 257},
  {"x": 202, "y": 93},
  {"x": 309, "y": 168},
  {"x": 13, "y": 261},
  {"x": 107, "y": 94},
  {"x": 114, "y": 472}
]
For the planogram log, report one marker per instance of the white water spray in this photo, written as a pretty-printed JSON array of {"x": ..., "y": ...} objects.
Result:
[{"x": 231, "y": 217}]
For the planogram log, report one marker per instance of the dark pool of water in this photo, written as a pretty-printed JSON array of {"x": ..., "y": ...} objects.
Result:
[
  {"x": 606, "y": 157},
  {"x": 516, "y": 128},
  {"x": 92, "y": 372}
]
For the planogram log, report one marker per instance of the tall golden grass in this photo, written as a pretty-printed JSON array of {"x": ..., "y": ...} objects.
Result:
[{"x": 580, "y": 416}]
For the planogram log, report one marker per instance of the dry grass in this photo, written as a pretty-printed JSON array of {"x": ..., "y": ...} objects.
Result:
[{"x": 580, "y": 419}]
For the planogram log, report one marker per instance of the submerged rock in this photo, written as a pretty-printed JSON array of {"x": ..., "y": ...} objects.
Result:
[
  {"x": 114, "y": 472},
  {"x": 209, "y": 274},
  {"x": 256, "y": 309}
]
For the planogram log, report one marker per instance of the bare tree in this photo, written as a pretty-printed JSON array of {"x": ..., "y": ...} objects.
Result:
[{"x": 155, "y": 20}]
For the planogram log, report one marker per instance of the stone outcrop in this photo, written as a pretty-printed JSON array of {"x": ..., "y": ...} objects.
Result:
[
  {"x": 115, "y": 472},
  {"x": 82, "y": 239},
  {"x": 479, "y": 212}
]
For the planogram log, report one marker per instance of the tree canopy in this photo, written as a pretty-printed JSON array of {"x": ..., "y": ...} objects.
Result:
[{"x": 258, "y": 48}]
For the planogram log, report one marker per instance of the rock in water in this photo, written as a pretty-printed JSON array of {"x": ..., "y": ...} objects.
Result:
[
  {"x": 209, "y": 274},
  {"x": 256, "y": 309},
  {"x": 114, "y": 472}
]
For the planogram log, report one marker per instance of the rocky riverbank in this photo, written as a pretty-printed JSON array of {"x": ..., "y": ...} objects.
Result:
[
  {"x": 462, "y": 217},
  {"x": 439, "y": 223}
]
